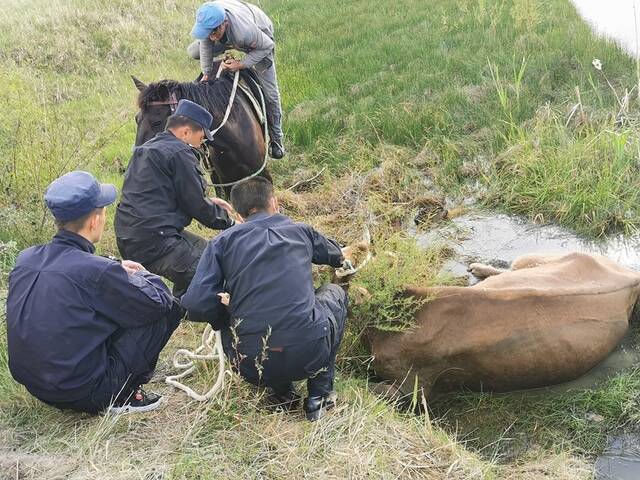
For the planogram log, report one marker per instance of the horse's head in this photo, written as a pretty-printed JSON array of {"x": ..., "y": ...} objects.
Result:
[
  {"x": 155, "y": 103},
  {"x": 238, "y": 149}
]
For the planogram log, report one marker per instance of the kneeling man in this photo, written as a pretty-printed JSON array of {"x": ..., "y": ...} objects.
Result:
[
  {"x": 254, "y": 282},
  {"x": 85, "y": 332}
]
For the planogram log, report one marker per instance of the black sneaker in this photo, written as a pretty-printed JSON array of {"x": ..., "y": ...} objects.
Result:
[
  {"x": 276, "y": 150},
  {"x": 285, "y": 401},
  {"x": 137, "y": 402},
  {"x": 316, "y": 407}
]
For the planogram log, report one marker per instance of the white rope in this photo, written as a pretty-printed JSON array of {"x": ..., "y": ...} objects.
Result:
[
  {"x": 185, "y": 360},
  {"x": 366, "y": 238},
  {"x": 232, "y": 97}
]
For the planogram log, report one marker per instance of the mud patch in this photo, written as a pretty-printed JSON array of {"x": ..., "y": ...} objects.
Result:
[{"x": 21, "y": 465}]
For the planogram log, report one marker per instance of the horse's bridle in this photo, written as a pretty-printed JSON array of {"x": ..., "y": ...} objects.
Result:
[{"x": 172, "y": 102}]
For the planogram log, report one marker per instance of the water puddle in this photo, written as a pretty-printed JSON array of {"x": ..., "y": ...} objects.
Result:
[
  {"x": 621, "y": 459},
  {"x": 617, "y": 20},
  {"x": 498, "y": 239}
]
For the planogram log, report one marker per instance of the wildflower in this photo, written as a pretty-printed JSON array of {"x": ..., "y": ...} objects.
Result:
[{"x": 597, "y": 64}]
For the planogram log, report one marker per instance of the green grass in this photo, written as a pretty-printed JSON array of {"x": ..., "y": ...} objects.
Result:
[
  {"x": 232, "y": 436},
  {"x": 475, "y": 95},
  {"x": 506, "y": 426}
]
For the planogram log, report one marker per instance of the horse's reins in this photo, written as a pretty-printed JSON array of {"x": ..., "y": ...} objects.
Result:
[{"x": 224, "y": 120}]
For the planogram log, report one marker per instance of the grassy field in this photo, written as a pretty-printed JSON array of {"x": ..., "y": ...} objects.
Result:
[{"x": 386, "y": 105}]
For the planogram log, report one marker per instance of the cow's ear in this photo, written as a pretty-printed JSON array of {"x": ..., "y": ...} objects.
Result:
[{"x": 139, "y": 84}]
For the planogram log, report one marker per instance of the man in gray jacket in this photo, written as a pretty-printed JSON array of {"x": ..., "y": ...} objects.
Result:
[{"x": 233, "y": 24}]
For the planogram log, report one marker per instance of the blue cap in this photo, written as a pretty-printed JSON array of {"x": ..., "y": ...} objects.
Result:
[
  {"x": 76, "y": 194},
  {"x": 195, "y": 112},
  {"x": 209, "y": 16}
]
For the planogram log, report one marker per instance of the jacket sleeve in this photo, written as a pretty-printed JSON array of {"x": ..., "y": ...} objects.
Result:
[
  {"x": 131, "y": 300},
  {"x": 208, "y": 52},
  {"x": 190, "y": 194},
  {"x": 325, "y": 250},
  {"x": 201, "y": 298},
  {"x": 258, "y": 45}
]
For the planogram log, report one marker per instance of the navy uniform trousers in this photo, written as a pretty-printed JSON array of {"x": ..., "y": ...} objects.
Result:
[
  {"x": 314, "y": 360},
  {"x": 132, "y": 357},
  {"x": 175, "y": 257}
]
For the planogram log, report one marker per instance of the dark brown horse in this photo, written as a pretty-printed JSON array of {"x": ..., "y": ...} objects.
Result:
[{"x": 238, "y": 148}]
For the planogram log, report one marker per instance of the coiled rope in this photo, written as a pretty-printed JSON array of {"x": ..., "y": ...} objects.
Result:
[{"x": 209, "y": 350}]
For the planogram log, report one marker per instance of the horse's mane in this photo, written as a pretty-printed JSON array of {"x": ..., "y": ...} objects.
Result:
[{"x": 212, "y": 95}]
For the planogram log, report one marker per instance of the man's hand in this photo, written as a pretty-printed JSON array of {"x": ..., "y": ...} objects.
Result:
[
  {"x": 232, "y": 213},
  {"x": 223, "y": 204},
  {"x": 205, "y": 78},
  {"x": 232, "y": 65},
  {"x": 347, "y": 265},
  {"x": 225, "y": 298},
  {"x": 132, "y": 267}
]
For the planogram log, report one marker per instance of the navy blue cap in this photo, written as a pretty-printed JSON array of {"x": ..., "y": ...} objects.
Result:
[
  {"x": 195, "y": 112},
  {"x": 75, "y": 194}
]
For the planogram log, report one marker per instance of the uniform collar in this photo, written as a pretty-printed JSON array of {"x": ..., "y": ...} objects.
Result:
[
  {"x": 258, "y": 216},
  {"x": 74, "y": 240},
  {"x": 168, "y": 133}
]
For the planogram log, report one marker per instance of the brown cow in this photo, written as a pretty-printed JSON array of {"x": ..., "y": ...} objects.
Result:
[{"x": 546, "y": 321}]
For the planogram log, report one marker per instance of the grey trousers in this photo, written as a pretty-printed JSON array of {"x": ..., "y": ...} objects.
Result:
[{"x": 266, "y": 71}]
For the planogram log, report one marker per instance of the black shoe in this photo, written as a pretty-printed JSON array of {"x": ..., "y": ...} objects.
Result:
[
  {"x": 137, "y": 401},
  {"x": 285, "y": 401},
  {"x": 276, "y": 150},
  {"x": 316, "y": 407}
]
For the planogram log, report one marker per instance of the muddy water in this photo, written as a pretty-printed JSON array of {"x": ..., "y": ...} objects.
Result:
[
  {"x": 498, "y": 239},
  {"x": 614, "y": 19},
  {"x": 621, "y": 458}
]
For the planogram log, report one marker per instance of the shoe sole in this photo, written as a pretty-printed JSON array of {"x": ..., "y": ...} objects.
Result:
[
  {"x": 129, "y": 409},
  {"x": 316, "y": 414},
  {"x": 327, "y": 405}
]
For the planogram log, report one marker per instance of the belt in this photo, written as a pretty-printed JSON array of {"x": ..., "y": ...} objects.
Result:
[
  {"x": 144, "y": 232},
  {"x": 285, "y": 338}
]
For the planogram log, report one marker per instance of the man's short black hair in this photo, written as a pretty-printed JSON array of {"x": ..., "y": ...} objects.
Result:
[
  {"x": 251, "y": 195},
  {"x": 77, "y": 224},
  {"x": 177, "y": 121}
]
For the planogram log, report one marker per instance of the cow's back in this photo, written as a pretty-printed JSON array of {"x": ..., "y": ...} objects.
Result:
[{"x": 524, "y": 328}]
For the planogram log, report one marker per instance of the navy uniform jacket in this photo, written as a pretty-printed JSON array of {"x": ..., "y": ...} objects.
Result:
[
  {"x": 63, "y": 306},
  {"x": 265, "y": 265},
  {"x": 164, "y": 190}
]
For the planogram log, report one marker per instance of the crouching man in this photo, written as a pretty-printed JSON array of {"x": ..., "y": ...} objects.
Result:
[
  {"x": 85, "y": 332},
  {"x": 254, "y": 282}
]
